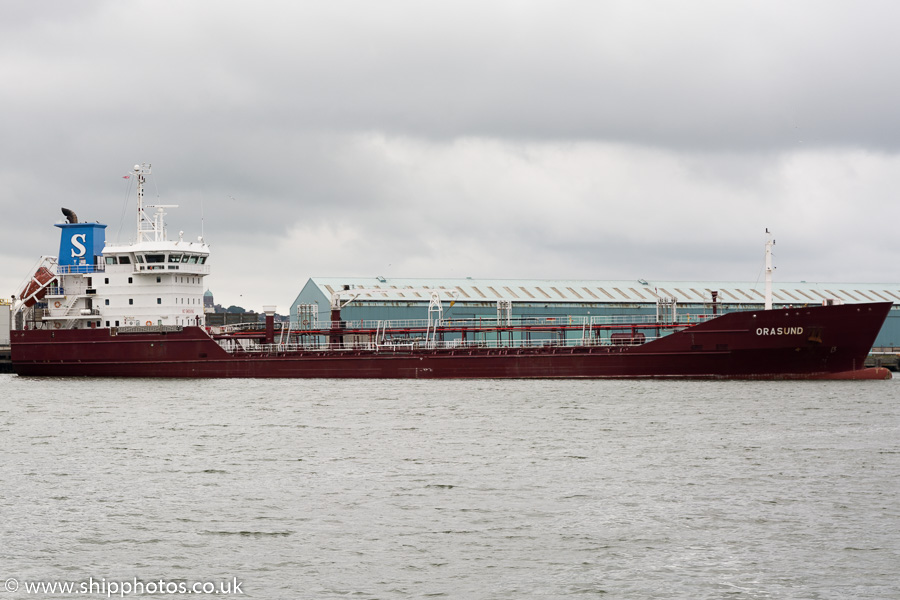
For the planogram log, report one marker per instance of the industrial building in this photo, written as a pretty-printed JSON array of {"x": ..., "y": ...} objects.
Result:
[{"x": 380, "y": 298}]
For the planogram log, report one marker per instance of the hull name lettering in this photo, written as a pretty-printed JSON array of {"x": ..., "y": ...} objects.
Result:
[{"x": 779, "y": 331}]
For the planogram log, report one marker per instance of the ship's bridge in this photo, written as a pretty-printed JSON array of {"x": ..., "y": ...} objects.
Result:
[{"x": 151, "y": 257}]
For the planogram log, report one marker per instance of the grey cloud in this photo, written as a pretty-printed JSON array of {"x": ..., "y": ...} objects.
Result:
[{"x": 736, "y": 75}]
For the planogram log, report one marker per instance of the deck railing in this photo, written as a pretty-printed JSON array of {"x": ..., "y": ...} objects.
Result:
[
  {"x": 487, "y": 332},
  {"x": 80, "y": 269},
  {"x": 348, "y": 326},
  {"x": 421, "y": 344}
]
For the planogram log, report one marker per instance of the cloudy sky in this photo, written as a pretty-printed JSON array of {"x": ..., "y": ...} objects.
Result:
[{"x": 565, "y": 139}]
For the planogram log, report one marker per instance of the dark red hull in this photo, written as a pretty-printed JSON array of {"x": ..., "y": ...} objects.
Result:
[{"x": 827, "y": 342}]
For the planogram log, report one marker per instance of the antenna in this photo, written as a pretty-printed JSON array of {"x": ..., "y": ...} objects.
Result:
[
  {"x": 769, "y": 269},
  {"x": 201, "y": 216},
  {"x": 143, "y": 230}
]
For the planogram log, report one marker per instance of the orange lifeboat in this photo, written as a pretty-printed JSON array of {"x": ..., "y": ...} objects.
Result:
[{"x": 37, "y": 287}]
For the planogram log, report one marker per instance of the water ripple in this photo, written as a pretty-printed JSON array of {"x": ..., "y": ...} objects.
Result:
[{"x": 484, "y": 489}]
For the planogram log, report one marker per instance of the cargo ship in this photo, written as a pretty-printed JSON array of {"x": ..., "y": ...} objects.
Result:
[{"x": 136, "y": 310}]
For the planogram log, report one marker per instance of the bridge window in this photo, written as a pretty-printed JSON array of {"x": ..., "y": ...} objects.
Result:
[
  {"x": 124, "y": 260},
  {"x": 156, "y": 258}
]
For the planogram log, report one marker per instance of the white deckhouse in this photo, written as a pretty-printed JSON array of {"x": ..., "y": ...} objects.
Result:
[{"x": 151, "y": 282}]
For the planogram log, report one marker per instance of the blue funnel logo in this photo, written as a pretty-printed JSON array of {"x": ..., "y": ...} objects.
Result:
[{"x": 79, "y": 246}]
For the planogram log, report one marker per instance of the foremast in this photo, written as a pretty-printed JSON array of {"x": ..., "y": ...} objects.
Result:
[{"x": 769, "y": 269}]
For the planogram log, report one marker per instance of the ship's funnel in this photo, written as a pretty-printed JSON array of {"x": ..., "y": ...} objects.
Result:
[
  {"x": 79, "y": 246},
  {"x": 70, "y": 215}
]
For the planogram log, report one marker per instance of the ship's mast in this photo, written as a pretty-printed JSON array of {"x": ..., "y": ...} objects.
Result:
[
  {"x": 144, "y": 223},
  {"x": 769, "y": 269},
  {"x": 149, "y": 229}
]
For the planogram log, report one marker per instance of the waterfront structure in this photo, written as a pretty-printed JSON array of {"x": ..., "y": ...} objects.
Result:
[{"x": 462, "y": 298}]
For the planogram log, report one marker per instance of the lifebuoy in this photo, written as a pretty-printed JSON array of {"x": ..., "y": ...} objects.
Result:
[
  {"x": 305, "y": 322},
  {"x": 149, "y": 323},
  {"x": 56, "y": 325},
  {"x": 57, "y": 304}
]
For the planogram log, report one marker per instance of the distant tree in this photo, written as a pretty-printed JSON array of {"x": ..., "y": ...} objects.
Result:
[{"x": 235, "y": 309}]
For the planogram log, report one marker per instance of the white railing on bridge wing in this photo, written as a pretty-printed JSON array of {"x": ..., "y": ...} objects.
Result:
[{"x": 80, "y": 269}]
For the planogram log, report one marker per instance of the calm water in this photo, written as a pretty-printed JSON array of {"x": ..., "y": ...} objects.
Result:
[{"x": 489, "y": 489}]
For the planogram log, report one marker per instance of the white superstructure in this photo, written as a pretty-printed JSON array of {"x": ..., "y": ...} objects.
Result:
[{"x": 151, "y": 282}]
